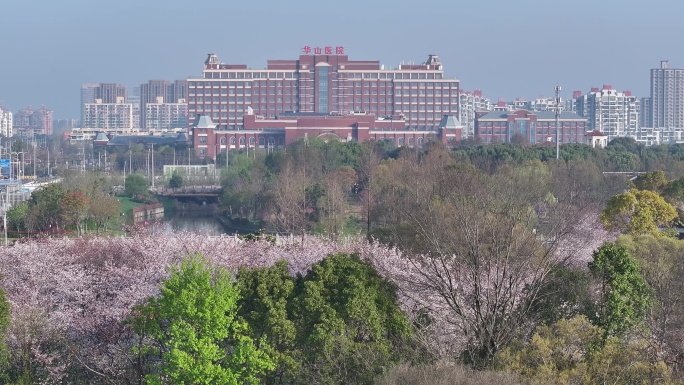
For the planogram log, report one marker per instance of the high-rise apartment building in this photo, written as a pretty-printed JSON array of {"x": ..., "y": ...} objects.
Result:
[
  {"x": 151, "y": 91},
  {"x": 107, "y": 93},
  {"x": 41, "y": 121},
  {"x": 667, "y": 96},
  {"x": 87, "y": 96},
  {"x": 162, "y": 116},
  {"x": 110, "y": 93},
  {"x": 6, "y": 122},
  {"x": 108, "y": 116},
  {"x": 613, "y": 113},
  {"x": 470, "y": 104},
  {"x": 134, "y": 101},
  {"x": 28, "y": 122},
  {"x": 645, "y": 112},
  {"x": 324, "y": 81}
]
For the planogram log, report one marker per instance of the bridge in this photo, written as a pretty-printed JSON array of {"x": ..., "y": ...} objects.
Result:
[
  {"x": 630, "y": 174},
  {"x": 188, "y": 191}
]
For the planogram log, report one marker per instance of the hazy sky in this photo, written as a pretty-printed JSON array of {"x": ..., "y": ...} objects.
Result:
[{"x": 507, "y": 48}]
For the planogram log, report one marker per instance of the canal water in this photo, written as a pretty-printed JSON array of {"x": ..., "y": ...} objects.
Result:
[{"x": 193, "y": 223}]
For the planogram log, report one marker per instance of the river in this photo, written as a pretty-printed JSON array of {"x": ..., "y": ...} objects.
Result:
[{"x": 193, "y": 223}]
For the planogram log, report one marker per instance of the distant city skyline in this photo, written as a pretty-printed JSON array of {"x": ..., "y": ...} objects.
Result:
[{"x": 506, "y": 49}]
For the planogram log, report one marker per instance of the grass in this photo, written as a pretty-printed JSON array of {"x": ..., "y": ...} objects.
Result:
[{"x": 127, "y": 205}]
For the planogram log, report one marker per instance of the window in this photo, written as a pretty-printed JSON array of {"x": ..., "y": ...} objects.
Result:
[
  {"x": 242, "y": 141},
  {"x": 223, "y": 140},
  {"x": 400, "y": 142}
]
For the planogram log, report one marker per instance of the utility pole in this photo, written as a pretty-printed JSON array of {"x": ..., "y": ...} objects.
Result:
[
  {"x": 152, "y": 165},
  {"x": 558, "y": 111}
]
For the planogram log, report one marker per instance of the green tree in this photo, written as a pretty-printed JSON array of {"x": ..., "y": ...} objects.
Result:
[
  {"x": 349, "y": 325},
  {"x": 176, "y": 180},
  {"x": 653, "y": 181},
  {"x": 75, "y": 208},
  {"x": 196, "y": 332},
  {"x": 136, "y": 185},
  {"x": 625, "y": 295},
  {"x": 265, "y": 297},
  {"x": 637, "y": 212},
  {"x": 45, "y": 206},
  {"x": 661, "y": 262},
  {"x": 16, "y": 217},
  {"x": 106, "y": 209},
  {"x": 573, "y": 352}
]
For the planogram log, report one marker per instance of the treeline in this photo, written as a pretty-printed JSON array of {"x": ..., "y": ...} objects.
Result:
[
  {"x": 330, "y": 188},
  {"x": 73, "y": 203}
]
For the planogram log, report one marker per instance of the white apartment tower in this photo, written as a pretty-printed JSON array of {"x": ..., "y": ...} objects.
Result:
[
  {"x": 614, "y": 113},
  {"x": 162, "y": 116},
  {"x": 6, "y": 123},
  {"x": 469, "y": 104},
  {"x": 108, "y": 116},
  {"x": 667, "y": 96}
]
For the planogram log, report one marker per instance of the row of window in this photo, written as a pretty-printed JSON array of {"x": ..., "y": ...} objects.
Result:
[
  {"x": 485, "y": 124},
  {"x": 303, "y": 74},
  {"x": 231, "y": 101},
  {"x": 294, "y": 83},
  {"x": 241, "y": 140},
  {"x": 223, "y": 92}
]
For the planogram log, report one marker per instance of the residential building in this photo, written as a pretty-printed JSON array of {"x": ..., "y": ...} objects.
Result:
[
  {"x": 108, "y": 116},
  {"x": 324, "y": 80},
  {"x": 530, "y": 127},
  {"x": 111, "y": 93},
  {"x": 134, "y": 100},
  {"x": 107, "y": 93},
  {"x": 542, "y": 104},
  {"x": 613, "y": 113},
  {"x": 501, "y": 105},
  {"x": 22, "y": 119},
  {"x": 469, "y": 104},
  {"x": 28, "y": 122},
  {"x": 645, "y": 112},
  {"x": 171, "y": 92},
  {"x": 667, "y": 96},
  {"x": 41, "y": 121},
  {"x": 162, "y": 116},
  {"x": 87, "y": 96},
  {"x": 6, "y": 122}
]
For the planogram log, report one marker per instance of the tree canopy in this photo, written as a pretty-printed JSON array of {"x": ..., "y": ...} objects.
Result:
[{"x": 196, "y": 332}]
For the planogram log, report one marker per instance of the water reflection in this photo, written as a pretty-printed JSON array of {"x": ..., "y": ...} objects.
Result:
[{"x": 191, "y": 223}]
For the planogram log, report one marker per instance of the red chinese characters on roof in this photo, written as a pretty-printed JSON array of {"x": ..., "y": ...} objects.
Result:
[{"x": 327, "y": 50}]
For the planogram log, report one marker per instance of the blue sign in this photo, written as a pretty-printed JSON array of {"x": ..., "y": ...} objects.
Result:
[{"x": 4, "y": 162}]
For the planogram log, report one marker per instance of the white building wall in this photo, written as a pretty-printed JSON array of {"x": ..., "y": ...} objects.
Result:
[
  {"x": 469, "y": 105},
  {"x": 117, "y": 116},
  {"x": 165, "y": 116},
  {"x": 6, "y": 123},
  {"x": 614, "y": 113}
]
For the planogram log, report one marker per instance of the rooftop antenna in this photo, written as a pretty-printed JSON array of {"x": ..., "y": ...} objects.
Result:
[{"x": 558, "y": 112}]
